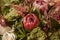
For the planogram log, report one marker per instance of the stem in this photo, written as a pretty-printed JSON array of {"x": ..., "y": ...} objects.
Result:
[{"x": 47, "y": 19}]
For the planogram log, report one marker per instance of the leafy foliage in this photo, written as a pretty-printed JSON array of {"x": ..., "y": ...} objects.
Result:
[{"x": 37, "y": 34}]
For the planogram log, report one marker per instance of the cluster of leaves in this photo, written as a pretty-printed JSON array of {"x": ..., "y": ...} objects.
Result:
[
  {"x": 37, "y": 34},
  {"x": 55, "y": 35}
]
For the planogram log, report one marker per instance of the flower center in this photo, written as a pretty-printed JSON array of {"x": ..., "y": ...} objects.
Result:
[{"x": 31, "y": 20}]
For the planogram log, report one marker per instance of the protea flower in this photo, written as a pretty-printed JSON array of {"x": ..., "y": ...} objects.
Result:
[
  {"x": 30, "y": 21},
  {"x": 5, "y": 30},
  {"x": 55, "y": 13},
  {"x": 9, "y": 36},
  {"x": 41, "y": 4},
  {"x": 3, "y": 26}
]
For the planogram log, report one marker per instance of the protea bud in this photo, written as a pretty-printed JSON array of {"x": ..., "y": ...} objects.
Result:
[{"x": 30, "y": 21}]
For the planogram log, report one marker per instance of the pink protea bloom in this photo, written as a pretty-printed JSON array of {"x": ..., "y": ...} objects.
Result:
[
  {"x": 40, "y": 4},
  {"x": 55, "y": 13},
  {"x": 30, "y": 21}
]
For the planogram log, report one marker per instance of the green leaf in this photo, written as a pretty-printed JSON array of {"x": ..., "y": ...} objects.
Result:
[
  {"x": 12, "y": 15},
  {"x": 0, "y": 37},
  {"x": 54, "y": 24}
]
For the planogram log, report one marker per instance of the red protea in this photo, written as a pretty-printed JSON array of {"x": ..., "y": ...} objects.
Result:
[{"x": 30, "y": 21}]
